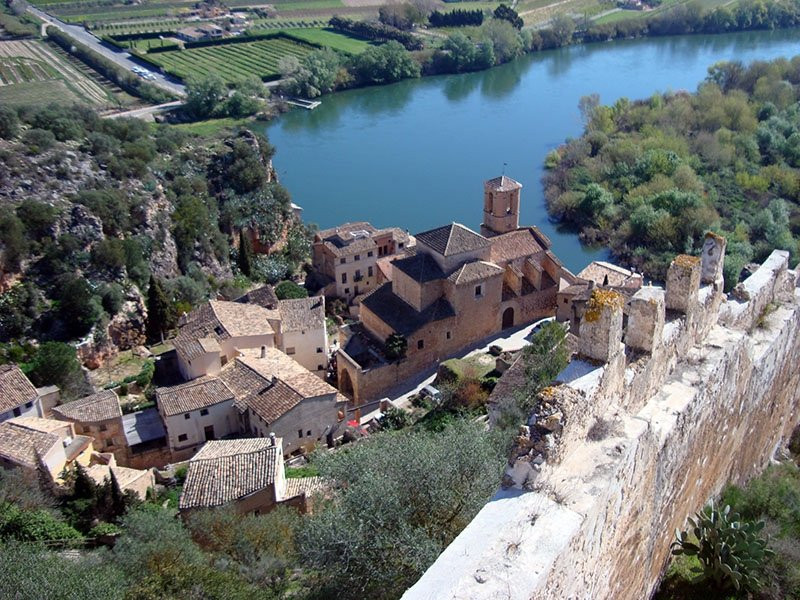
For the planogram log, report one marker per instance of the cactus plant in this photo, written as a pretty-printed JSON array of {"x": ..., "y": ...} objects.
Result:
[{"x": 731, "y": 551}]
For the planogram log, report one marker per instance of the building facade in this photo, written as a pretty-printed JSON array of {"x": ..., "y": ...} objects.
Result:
[{"x": 18, "y": 397}]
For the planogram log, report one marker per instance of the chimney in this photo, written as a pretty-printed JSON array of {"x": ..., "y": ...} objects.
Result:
[
  {"x": 263, "y": 352},
  {"x": 272, "y": 439}
]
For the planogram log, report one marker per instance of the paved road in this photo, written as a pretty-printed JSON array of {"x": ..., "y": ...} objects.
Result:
[{"x": 122, "y": 58}]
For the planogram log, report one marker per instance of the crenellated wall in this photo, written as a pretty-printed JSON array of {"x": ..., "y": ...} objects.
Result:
[{"x": 639, "y": 434}]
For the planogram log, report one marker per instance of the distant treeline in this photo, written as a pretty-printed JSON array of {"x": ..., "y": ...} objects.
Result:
[
  {"x": 376, "y": 31},
  {"x": 123, "y": 78},
  {"x": 691, "y": 18},
  {"x": 456, "y": 18}
]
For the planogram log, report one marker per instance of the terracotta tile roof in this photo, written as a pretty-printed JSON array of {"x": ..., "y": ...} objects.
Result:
[
  {"x": 43, "y": 425},
  {"x": 341, "y": 248},
  {"x": 402, "y": 317},
  {"x": 263, "y": 296},
  {"x": 302, "y": 313},
  {"x": 243, "y": 381},
  {"x": 219, "y": 320},
  {"x": 278, "y": 365},
  {"x": 222, "y": 448},
  {"x": 194, "y": 395},
  {"x": 15, "y": 388},
  {"x": 452, "y": 239},
  {"x": 275, "y": 401},
  {"x": 296, "y": 486},
  {"x": 420, "y": 267},
  {"x": 502, "y": 184},
  {"x": 517, "y": 244},
  {"x": 231, "y": 475},
  {"x": 242, "y": 319},
  {"x": 347, "y": 228},
  {"x": 97, "y": 407},
  {"x": 471, "y": 272},
  {"x": 125, "y": 476},
  {"x": 19, "y": 444}
]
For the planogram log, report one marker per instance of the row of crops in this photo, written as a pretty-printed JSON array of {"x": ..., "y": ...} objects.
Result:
[
  {"x": 172, "y": 24},
  {"x": 232, "y": 62}
]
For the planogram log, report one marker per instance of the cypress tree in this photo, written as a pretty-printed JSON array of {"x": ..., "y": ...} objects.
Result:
[
  {"x": 158, "y": 311},
  {"x": 118, "y": 503},
  {"x": 245, "y": 254}
]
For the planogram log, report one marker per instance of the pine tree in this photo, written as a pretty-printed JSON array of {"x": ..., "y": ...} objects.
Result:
[
  {"x": 245, "y": 254},
  {"x": 158, "y": 311}
]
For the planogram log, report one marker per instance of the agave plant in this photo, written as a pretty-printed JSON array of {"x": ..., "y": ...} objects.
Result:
[{"x": 731, "y": 551}]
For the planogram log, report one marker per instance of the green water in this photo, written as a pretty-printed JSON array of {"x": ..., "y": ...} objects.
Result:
[{"x": 415, "y": 154}]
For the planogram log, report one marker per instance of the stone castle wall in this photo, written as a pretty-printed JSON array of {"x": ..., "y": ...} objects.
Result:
[{"x": 702, "y": 392}]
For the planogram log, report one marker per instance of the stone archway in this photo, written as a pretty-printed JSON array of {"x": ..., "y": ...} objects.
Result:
[
  {"x": 508, "y": 317},
  {"x": 346, "y": 384}
]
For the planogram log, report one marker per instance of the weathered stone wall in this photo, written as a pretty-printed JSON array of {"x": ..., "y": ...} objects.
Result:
[{"x": 648, "y": 437}]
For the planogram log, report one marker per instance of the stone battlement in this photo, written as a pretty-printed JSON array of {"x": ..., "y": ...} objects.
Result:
[{"x": 650, "y": 420}]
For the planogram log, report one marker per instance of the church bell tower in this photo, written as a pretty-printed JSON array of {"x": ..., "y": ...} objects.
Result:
[{"x": 500, "y": 206}]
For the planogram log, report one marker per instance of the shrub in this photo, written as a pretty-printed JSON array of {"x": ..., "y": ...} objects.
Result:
[
  {"x": 396, "y": 346},
  {"x": 9, "y": 123},
  {"x": 289, "y": 289},
  {"x": 33, "y": 525},
  {"x": 38, "y": 140}
]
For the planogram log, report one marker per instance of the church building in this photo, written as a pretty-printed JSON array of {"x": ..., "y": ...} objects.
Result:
[{"x": 456, "y": 288}]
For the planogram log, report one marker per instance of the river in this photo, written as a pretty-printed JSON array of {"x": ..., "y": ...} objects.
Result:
[{"x": 415, "y": 154}]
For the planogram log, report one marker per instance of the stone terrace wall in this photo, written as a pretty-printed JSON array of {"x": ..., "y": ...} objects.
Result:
[{"x": 703, "y": 392}]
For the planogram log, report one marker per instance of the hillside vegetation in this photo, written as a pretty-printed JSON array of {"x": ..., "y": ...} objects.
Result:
[
  {"x": 91, "y": 208},
  {"x": 650, "y": 177}
]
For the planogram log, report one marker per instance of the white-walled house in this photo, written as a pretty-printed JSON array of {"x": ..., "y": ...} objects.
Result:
[
  {"x": 302, "y": 332},
  {"x": 31, "y": 442},
  {"x": 18, "y": 396},
  {"x": 195, "y": 412}
]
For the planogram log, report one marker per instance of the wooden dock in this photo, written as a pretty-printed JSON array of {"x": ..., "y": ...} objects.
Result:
[{"x": 303, "y": 103}]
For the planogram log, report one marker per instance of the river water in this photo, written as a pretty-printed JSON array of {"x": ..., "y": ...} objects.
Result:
[{"x": 415, "y": 154}]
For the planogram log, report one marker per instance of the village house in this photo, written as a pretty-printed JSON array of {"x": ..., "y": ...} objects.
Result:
[
  {"x": 33, "y": 443},
  {"x": 201, "y": 33},
  {"x": 136, "y": 480},
  {"x": 246, "y": 474},
  {"x": 257, "y": 394},
  {"x": 100, "y": 417},
  {"x": 572, "y": 299},
  {"x": 18, "y": 396},
  {"x": 216, "y": 331},
  {"x": 345, "y": 257},
  {"x": 457, "y": 288}
]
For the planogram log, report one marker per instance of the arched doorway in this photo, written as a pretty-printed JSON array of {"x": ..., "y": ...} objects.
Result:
[
  {"x": 508, "y": 318},
  {"x": 346, "y": 384}
]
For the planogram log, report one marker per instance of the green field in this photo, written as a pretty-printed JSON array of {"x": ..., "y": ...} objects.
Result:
[
  {"x": 232, "y": 61},
  {"x": 331, "y": 39}
]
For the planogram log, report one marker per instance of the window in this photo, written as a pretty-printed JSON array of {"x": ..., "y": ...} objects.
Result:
[
  {"x": 204, "y": 412},
  {"x": 320, "y": 367},
  {"x": 369, "y": 271},
  {"x": 344, "y": 277},
  {"x": 566, "y": 301},
  {"x": 370, "y": 253},
  {"x": 28, "y": 404},
  {"x": 342, "y": 261},
  {"x": 319, "y": 350},
  {"x": 103, "y": 427},
  {"x": 182, "y": 437},
  {"x": 420, "y": 344},
  {"x": 400, "y": 245},
  {"x": 357, "y": 257},
  {"x": 478, "y": 291},
  {"x": 299, "y": 433},
  {"x": 186, "y": 415},
  {"x": 346, "y": 290},
  {"x": 308, "y": 433},
  {"x": 447, "y": 335},
  {"x": 380, "y": 250},
  {"x": 109, "y": 443},
  {"x": 17, "y": 412},
  {"x": 290, "y": 350}
]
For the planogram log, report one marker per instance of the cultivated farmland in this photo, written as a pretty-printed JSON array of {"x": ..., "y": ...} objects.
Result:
[
  {"x": 28, "y": 65},
  {"x": 232, "y": 61}
]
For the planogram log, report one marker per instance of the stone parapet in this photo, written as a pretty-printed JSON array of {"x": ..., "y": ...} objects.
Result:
[
  {"x": 642, "y": 440},
  {"x": 601, "y": 328}
]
